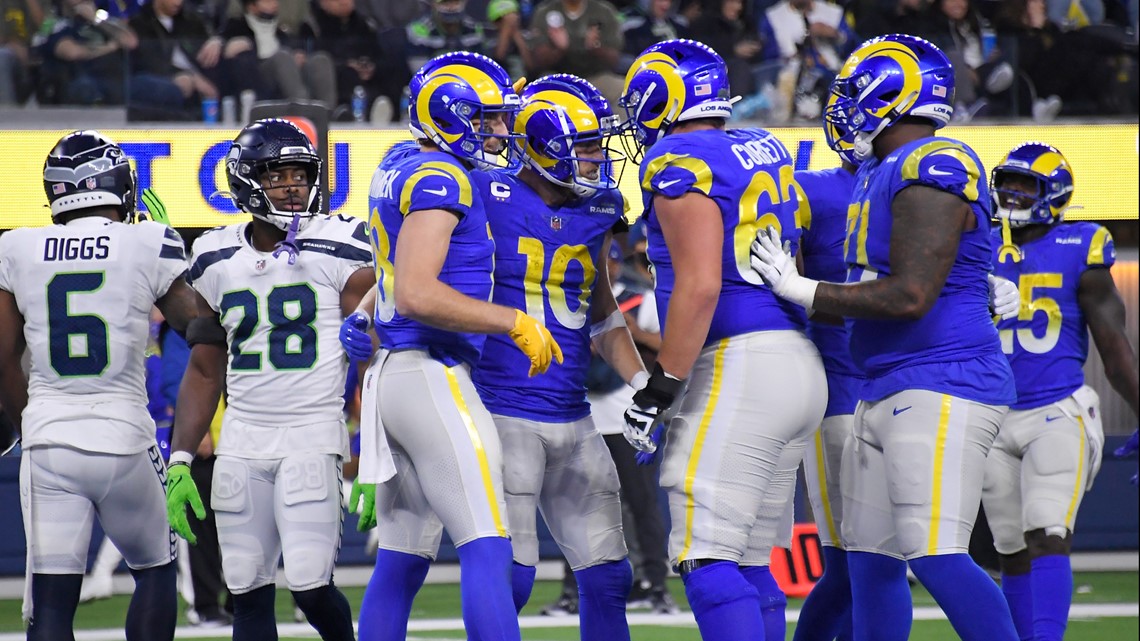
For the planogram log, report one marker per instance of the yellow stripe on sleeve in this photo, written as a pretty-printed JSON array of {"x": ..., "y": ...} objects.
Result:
[
  {"x": 435, "y": 168},
  {"x": 701, "y": 171},
  {"x": 480, "y": 453},
  {"x": 1096, "y": 246},
  {"x": 936, "y": 494},
  {"x": 699, "y": 444}
]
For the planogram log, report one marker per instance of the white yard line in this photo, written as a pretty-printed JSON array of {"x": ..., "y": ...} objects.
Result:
[{"x": 685, "y": 619}]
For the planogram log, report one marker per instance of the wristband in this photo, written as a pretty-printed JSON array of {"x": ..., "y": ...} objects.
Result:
[
  {"x": 639, "y": 380},
  {"x": 181, "y": 457}
]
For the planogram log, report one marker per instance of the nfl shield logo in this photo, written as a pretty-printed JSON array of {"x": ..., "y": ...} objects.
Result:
[
  {"x": 259, "y": 265},
  {"x": 556, "y": 223},
  {"x": 91, "y": 183},
  {"x": 58, "y": 188}
]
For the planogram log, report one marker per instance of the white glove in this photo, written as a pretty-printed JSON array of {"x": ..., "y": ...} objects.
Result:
[
  {"x": 1004, "y": 297},
  {"x": 778, "y": 269}
]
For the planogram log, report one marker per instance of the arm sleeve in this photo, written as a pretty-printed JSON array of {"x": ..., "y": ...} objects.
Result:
[
  {"x": 1102, "y": 249},
  {"x": 171, "y": 259},
  {"x": 674, "y": 174},
  {"x": 947, "y": 166},
  {"x": 436, "y": 185},
  {"x": 354, "y": 253}
]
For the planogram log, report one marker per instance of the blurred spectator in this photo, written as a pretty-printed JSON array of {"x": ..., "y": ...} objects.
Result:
[
  {"x": 446, "y": 27},
  {"x": 582, "y": 37},
  {"x": 175, "y": 54},
  {"x": 291, "y": 14},
  {"x": 390, "y": 14},
  {"x": 1073, "y": 69},
  {"x": 1075, "y": 14},
  {"x": 339, "y": 30},
  {"x": 877, "y": 17},
  {"x": 19, "y": 21},
  {"x": 257, "y": 56},
  {"x": 650, "y": 22},
  {"x": 121, "y": 9},
  {"x": 84, "y": 57},
  {"x": 510, "y": 47},
  {"x": 725, "y": 30},
  {"x": 980, "y": 76}
]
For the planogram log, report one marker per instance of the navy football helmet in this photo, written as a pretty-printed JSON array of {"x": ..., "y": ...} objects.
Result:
[
  {"x": 264, "y": 145},
  {"x": 86, "y": 169}
]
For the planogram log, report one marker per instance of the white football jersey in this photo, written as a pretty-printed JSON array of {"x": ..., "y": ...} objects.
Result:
[
  {"x": 286, "y": 374},
  {"x": 86, "y": 290}
]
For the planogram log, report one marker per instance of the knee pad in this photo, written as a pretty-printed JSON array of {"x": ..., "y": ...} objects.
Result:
[
  {"x": 612, "y": 579},
  {"x": 240, "y": 572},
  {"x": 717, "y": 583}
]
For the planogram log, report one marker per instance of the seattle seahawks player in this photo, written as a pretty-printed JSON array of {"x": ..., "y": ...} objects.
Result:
[
  {"x": 551, "y": 223},
  {"x": 1049, "y": 448},
  {"x": 79, "y": 295},
  {"x": 434, "y": 257},
  {"x": 271, "y": 296},
  {"x": 753, "y": 376},
  {"x": 916, "y": 299},
  {"x": 826, "y": 613}
]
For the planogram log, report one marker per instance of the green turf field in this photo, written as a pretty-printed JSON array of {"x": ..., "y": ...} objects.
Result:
[{"x": 442, "y": 602}]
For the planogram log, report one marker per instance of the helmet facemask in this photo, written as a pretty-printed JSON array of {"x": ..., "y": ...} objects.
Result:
[{"x": 1023, "y": 198}]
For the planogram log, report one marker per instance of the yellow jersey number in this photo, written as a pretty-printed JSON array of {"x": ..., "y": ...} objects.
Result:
[
  {"x": 780, "y": 189},
  {"x": 1030, "y": 307},
  {"x": 537, "y": 279}
]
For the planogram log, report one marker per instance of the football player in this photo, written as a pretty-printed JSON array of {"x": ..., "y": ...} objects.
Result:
[
  {"x": 79, "y": 295},
  {"x": 753, "y": 376},
  {"x": 1049, "y": 448},
  {"x": 937, "y": 386},
  {"x": 826, "y": 193},
  {"x": 552, "y": 222},
  {"x": 272, "y": 293},
  {"x": 434, "y": 257}
]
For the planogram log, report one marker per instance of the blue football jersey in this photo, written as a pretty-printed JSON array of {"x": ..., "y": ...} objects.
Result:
[
  {"x": 407, "y": 181},
  {"x": 954, "y": 348},
  {"x": 1048, "y": 342},
  {"x": 826, "y": 194},
  {"x": 547, "y": 261},
  {"x": 749, "y": 174}
]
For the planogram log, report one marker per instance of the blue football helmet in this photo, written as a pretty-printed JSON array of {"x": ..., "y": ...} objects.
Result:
[
  {"x": 838, "y": 134},
  {"x": 264, "y": 145},
  {"x": 86, "y": 169},
  {"x": 671, "y": 82},
  {"x": 553, "y": 123},
  {"x": 586, "y": 90},
  {"x": 887, "y": 78},
  {"x": 453, "y": 89},
  {"x": 1051, "y": 175}
]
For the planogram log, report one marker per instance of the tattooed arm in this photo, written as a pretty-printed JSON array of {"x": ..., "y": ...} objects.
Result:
[{"x": 926, "y": 226}]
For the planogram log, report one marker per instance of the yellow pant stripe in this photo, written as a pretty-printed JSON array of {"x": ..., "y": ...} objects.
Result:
[
  {"x": 1079, "y": 485},
  {"x": 939, "y": 453},
  {"x": 820, "y": 461},
  {"x": 699, "y": 443},
  {"x": 480, "y": 453}
]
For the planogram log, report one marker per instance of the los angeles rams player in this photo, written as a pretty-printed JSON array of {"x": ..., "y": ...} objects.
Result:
[
  {"x": 79, "y": 294},
  {"x": 1049, "y": 448},
  {"x": 937, "y": 386},
  {"x": 827, "y": 611},
  {"x": 743, "y": 352},
  {"x": 271, "y": 336},
  {"x": 433, "y": 254},
  {"x": 551, "y": 223}
]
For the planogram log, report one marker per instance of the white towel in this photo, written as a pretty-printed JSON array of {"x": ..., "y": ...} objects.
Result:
[{"x": 376, "y": 464}]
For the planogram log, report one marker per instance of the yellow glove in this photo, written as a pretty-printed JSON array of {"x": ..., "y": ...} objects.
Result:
[{"x": 536, "y": 342}]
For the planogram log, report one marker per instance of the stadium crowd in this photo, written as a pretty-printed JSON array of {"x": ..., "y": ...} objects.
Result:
[{"x": 193, "y": 59}]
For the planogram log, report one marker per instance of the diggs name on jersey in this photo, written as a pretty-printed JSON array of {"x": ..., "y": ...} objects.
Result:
[{"x": 97, "y": 248}]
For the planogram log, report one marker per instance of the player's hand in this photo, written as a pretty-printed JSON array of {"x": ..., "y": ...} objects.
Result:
[
  {"x": 1128, "y": 449},
  {"x": 778, "y": 269},
  {"x": 1005, "y": 300},
  {"x": 644, "y": 420},
  {"x": 536, "y": 342},
  {"x": 154, "y": 207},
  {"x": 367, "y": 492},
  {"x": 354, "y": 336},
  {"x": 180, "y": 492},
  {"x": 647, "y": 458}
]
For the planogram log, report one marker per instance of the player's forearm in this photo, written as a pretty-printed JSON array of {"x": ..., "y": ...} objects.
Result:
[
  {"x": 1120, "y": 368},
  {"x": 693, "y": 304},
  {"x": 13, "y": 391},
  {"x": 890, "y": 297},
  {"x": 617, "y": 348},
  {"x": 198, "y": 397},
  {"x": 442, "y": 306}
]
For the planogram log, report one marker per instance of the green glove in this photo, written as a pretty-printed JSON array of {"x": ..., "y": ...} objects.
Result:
[
  {"x": 155, "y": 207},
  {"x": 180, "y": 492},
  {"x": 367, "y": 491}
]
